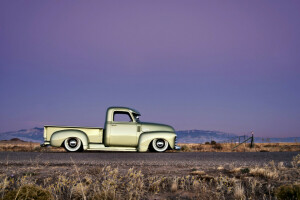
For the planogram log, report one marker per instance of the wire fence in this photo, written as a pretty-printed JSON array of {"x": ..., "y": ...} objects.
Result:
[{"x": 238, "y": 140}]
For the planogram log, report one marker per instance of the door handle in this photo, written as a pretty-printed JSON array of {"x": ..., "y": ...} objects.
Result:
[{"x": 114, "y": 124}]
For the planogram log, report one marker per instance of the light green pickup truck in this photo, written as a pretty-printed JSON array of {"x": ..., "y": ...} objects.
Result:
[{"x": 123, "y": 132}]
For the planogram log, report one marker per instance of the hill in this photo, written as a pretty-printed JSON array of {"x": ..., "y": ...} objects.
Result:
[{"x": 30, "y": 135}]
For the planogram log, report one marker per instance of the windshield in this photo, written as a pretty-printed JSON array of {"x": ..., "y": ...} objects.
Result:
[{"x": 136, "y": 117}]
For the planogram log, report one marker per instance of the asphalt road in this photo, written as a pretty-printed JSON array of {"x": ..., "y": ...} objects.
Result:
[{"x": 180, "y": 159}]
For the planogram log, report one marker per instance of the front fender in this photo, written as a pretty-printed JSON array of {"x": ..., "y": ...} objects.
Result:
[
  {"x": 59, "y": 137},
  {"x": 146, "y": 137}
]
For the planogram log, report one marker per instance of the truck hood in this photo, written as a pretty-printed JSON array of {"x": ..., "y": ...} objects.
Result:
[{"x": 149, "y": 127}]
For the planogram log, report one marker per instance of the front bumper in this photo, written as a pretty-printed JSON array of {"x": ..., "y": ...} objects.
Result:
[
  {"x": 177, "y": 147},
  {"x": 45, "y": 144}
]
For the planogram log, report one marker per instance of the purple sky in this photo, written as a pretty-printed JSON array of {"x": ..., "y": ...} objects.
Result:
[{"x": 232, "y": 66}]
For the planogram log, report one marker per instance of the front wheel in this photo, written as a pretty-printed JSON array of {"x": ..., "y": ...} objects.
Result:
[
  {"x": 72, "y": 144},
  {"x": 160, "y": 145}
]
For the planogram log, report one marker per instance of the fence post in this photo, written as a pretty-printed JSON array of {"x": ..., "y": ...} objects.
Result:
[{"x": 252, "y": 140}]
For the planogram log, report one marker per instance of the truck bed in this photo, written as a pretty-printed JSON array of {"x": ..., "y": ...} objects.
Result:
[{"x": 95, "y": 134}]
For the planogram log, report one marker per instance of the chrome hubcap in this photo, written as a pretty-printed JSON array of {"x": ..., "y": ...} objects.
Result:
[
  {"x": 160, "y": 143},
  {"x": 73, "y": 143}
]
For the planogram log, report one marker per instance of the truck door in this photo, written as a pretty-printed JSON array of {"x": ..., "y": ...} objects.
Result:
[{"x": 123, "y": 130}]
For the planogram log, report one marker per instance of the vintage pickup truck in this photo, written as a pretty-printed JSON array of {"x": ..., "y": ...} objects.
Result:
[{"x": 123, "y": 132}]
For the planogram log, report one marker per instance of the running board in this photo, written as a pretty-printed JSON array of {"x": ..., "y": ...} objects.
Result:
[{"x": 101, "y": 147}]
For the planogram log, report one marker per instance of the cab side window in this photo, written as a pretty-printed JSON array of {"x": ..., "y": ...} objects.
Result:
[{"x": 122, "y": 117}]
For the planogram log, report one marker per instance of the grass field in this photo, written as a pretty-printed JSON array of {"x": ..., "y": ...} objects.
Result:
[{"x": 113, "y": 182}]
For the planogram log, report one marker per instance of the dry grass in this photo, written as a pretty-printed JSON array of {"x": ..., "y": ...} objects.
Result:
[
  {"x": 17, "y": 146},
  {"x": 174, "y": 185},
  {"x": 269, "y": 171},
  {"x": 236, "y": 170},
  {"x": 197, "y": 172},
  {"x": 228, "y": 147},
  {"x": 239, "y": 192},
  {"x": 119, "y": 182},
  {"x": 264, "y": 172},
  {"x": 296, "y": 161}
]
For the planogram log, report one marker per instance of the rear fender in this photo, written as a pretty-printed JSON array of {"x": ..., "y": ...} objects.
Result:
[
  {"x": 59, "y": 137},
  {"x": 146, "y": 138}
]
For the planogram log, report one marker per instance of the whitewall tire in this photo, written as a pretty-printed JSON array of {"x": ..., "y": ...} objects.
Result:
[
  {"x": 73, "y": 144},
  {"x": 160, "y": 145}
]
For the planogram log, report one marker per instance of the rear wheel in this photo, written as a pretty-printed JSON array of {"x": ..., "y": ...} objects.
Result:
[
  {"x": 160, "y": 145},
  {"x": 72, "y": 144}
]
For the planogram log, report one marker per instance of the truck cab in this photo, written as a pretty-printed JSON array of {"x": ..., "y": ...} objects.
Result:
[
  {"x": 122, "y": 127},
  {"x": 123, "y": 131}
]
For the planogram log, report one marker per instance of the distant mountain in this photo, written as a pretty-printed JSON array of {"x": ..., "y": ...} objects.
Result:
[
  {"x": 30, "y": 135},
  {"x": 202, "y": 136},
  {"x": 186, "y": 136},
  {"x": 276, "y": 140}
]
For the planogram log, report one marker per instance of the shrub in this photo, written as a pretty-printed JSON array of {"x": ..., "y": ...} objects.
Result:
[
  {"x": 206, "y": 143},
  {"x": 264, "y": 172},
  {"x": 213, "y": 142},
  {"x": 288, "y": 192},
  {"x": 174, "y": 186},
  {"x": 185, "y": 148},
  {"x": 37, "y": 149},
  {"x": 245, "y": 170},
  {"x": 198, "y": 147},
  {"x": 296, "y": 161},
  {"x": 29, "y": 192},
  {"x": 217, "y": 146},
  {"x": 239, "y": 192}
]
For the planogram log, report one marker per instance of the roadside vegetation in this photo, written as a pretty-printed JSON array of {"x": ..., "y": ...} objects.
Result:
[
  {"x": 17, "y": 145},
  {"x": 229, "y": 147},
  {"x": 271, "y": 181}
]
